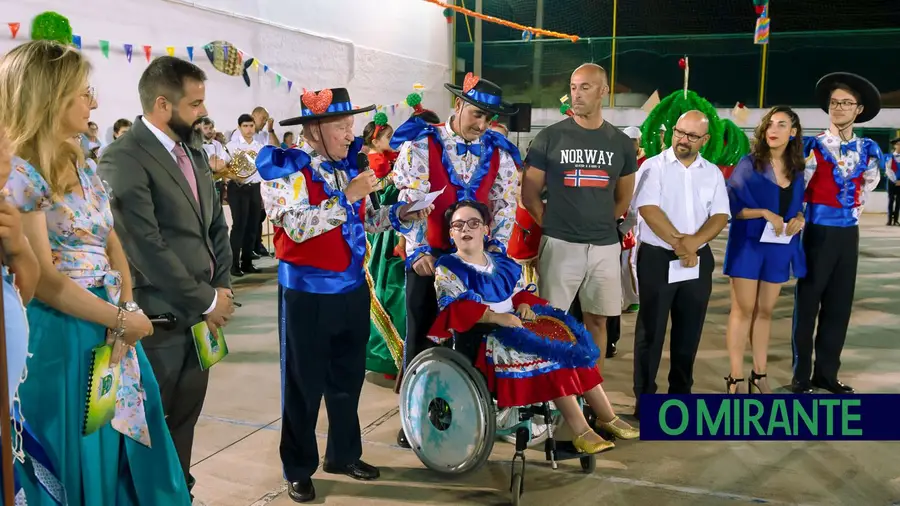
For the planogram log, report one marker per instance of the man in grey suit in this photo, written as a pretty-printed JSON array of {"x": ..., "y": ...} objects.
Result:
[{"x": 174, "y": 233}]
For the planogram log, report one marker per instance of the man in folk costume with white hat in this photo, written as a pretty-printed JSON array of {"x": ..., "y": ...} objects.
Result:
[
  {"x": 469, "y": 161},
  {"x": 841, "y": 172},
  {"x": 317, "y": 198}
]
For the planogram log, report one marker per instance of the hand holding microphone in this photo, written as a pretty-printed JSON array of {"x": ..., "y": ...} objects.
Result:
[{"x": 364, "y": 184}]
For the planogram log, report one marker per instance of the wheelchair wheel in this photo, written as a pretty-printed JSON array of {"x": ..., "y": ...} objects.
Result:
[
  {"x": 447, "y": 412},
  {"x": 517, "y": 484},
  {"x": 588, "y": 463}
]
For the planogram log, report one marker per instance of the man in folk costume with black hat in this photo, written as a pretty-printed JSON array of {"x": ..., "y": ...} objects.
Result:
[
  {"x": 469, "y": 161},
  {"x": 841, "y": 172},
  {"x": 892, "y": 174},
  {"x": 317, "y": 199}
]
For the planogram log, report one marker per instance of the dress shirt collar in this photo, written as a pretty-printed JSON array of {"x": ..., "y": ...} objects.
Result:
[
  {"x": 166, "y": 141},
  {"x": 670, "y": 158}
]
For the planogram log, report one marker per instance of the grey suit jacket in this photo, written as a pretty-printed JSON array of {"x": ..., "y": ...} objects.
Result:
[{"x": 168, "y": 238}]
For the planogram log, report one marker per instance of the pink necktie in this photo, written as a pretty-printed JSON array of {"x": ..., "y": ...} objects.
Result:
[{"x": 184, "y": 163}]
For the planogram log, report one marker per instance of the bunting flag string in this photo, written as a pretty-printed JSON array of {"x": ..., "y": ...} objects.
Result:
[{"x": 128, "y": 49}]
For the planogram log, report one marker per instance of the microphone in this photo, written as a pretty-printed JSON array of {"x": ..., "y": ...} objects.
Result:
[
  {"x": 362, "y": 163},
  {"x": 165, "y": 321}
]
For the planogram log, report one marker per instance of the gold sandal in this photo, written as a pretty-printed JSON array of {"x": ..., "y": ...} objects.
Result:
[
  {"x": 582, "y": 445},
  {"x": 618, "y": 432}
]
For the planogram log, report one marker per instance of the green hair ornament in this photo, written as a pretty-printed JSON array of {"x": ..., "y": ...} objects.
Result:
[{"x": 51, "y": 26}]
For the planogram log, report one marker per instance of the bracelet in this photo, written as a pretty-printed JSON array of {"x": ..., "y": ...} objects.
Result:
[{"x": 119, "y": 331}]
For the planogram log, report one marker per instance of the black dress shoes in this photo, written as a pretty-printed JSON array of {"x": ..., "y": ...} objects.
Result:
[
  {"x": 402, "y": 442},
  {"x": 302, "y": 491},
  {"x": 358, "y": 470},
  {"x": 835, "y": 387},
  {"x": 611, "y": 350},
  {"x": 250, "y": 269},
  {"x": 801, "y": 387},
  {"x": 236, "y": 271}
]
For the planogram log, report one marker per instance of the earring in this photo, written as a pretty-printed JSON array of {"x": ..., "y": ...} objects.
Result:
[
  {"x": 792, "y": 137},
  {"x": 452, "y": 242}
]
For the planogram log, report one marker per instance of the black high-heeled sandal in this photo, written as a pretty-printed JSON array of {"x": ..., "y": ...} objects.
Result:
[
  {"x": 754, "y": 382},
  {"x": 729, "y": 381}
]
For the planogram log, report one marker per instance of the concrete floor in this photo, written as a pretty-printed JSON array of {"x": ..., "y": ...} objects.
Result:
[{"x": 236, "y": 459}]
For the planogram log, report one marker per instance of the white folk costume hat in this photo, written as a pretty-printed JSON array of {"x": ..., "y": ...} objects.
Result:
[
  {"x": 870, "y": 97},
  {"x": 483, "y": 94},
  {"x": 323, "y": 104}
]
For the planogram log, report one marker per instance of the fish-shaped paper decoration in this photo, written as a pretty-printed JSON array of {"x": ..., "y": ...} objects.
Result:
[{"x": 228, "y": 59}]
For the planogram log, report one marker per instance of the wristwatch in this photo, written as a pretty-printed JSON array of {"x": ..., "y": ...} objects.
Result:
[{"x": 131, "y": 306}]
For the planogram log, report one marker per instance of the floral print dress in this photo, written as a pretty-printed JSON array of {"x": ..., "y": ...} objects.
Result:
[{"x": 53, "y": 397}]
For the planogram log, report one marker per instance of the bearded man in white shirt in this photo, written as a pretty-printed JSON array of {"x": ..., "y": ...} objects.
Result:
[{"x": 683, "y": 202}]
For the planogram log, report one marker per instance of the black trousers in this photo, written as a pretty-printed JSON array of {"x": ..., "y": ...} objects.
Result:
[
  {"x": 258, "y": 244},
  {"x": 325, "y": 340},
  {"x": 245, "y": 202},
  {"x": 685, "y": 302},
  {"x": 421, "y": 311},
  {"x": 893, "y": 204},
  {"x": 826, "y": 294},
  {"x": 182, "y": 387}
]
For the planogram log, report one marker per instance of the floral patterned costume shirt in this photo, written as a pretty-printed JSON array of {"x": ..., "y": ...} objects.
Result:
[
  {"x": 78, "y": 228},
  {"x": 287, "y": 203},
  {"x": 411, "y": 177}
]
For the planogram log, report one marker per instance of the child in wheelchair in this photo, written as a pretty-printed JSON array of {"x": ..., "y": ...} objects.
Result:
[{"x": 534, "y": 353}]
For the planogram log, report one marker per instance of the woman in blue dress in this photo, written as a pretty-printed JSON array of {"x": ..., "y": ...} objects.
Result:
[
  {"x": 80, "y": 300},
  {"x": 766, "y": 191}
]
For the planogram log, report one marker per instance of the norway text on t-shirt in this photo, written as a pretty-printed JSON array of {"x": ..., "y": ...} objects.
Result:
[{"x": 587, "y": 157}]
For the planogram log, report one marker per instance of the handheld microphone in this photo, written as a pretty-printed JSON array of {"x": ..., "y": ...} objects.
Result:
[
  {"x": 165, "y": 321},
  {"x": 362, "y": 163}
]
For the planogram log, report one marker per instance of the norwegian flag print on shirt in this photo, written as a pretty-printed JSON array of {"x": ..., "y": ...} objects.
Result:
[{"x": 586, "y": 178}]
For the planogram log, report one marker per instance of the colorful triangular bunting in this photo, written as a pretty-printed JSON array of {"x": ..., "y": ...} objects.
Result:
[
  {"x": 129, "y": 49},
  {"x": 190, "y": 51},
  {"x": 170, "y": 50},
  {"x": 14, "y": 29},
  {"x": 148, "y": 50},
  {"x": 76, "y": 41},
  {"x": 104, "y": 48}
]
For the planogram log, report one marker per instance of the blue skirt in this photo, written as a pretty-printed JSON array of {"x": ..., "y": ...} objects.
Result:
[{"x": 105, "y": 468}]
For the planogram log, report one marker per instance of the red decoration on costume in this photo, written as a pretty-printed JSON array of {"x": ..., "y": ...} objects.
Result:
[
  {"x": 310, "y": 252},
  {"x": 526, "y": 237},
  {"x": 469, "y": 82},
  {"x": 318, "y": 103},
  {"x": 382, "y": 163},
  {"x": 526, "y": 297},
  {"x": 759, "y": 9},
  {"x": 682, "y": 63},
  {"x": 438, "y": 231},
  {"x": 822, "y": 188}
]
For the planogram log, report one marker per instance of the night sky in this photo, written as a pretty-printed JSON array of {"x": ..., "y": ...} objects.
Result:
[{"x": 724, "y": 70}]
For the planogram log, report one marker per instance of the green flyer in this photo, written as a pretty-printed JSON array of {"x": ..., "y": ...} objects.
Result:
[{"x": 210, "y": 348}]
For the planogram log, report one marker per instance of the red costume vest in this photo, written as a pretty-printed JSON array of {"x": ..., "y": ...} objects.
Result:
[
  {"x": 328, "y": 251},
  {"x": 822, "y": 188},
  {"x": 437, "y": 233}
]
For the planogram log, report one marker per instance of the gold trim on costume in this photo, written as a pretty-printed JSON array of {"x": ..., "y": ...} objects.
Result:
[{"x": 381, "y": 319}]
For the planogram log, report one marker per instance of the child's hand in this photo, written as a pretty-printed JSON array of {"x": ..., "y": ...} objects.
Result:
[{"x": 11, "y": 235}]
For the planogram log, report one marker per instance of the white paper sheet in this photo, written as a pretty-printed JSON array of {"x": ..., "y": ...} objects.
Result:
[
  {"x": 677, "y": 273},
  {"x": 769, "y": 236},
  {"x": 426, "y": 201}
]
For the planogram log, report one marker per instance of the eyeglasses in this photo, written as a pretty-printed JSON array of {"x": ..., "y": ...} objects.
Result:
[
  {"x": 842, "y": 105},
  {"x": 90, "y": 94},
  {"x": 473, "y": 223},
  {"x": 690, "y": 137}
]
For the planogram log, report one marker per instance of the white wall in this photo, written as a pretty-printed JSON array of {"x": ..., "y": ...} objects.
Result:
[{"x": 373, "y": 52}]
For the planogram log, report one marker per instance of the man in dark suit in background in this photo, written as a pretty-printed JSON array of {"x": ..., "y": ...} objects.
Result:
[{"x": 174, "y": 233}]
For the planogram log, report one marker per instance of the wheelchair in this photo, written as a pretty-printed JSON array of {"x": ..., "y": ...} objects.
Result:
[{"x": 451, "y": 420}]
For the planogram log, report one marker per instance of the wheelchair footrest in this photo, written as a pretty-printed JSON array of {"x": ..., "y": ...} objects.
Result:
[{"x": 565, "y": 450}]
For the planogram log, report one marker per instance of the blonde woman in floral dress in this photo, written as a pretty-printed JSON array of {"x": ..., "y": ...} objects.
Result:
[{"x": 45, "y": 101}]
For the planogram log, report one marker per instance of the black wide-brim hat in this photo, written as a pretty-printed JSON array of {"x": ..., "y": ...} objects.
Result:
[
  {"x": 894, "y": 141},
  {"x": 870, "y": 97},
  {"x": 323, "y": 104},
  {"x": 483, "y": 94}
]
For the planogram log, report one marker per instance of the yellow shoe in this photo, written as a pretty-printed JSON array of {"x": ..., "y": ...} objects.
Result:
[
  {"x": 619, "y": 432},
  {"x": 582, "y": 445}
]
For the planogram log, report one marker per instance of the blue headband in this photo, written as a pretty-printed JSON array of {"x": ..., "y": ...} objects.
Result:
[{"x": 484, "y": 98}]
